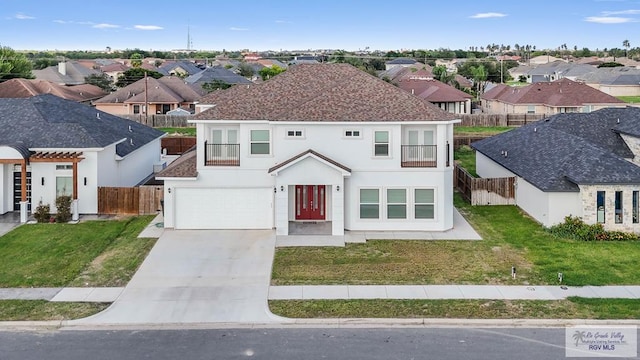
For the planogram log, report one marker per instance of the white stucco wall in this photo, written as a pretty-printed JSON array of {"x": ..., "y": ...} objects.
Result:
[
  {"x": 562, "y": 204},
  {"x": 532, "y": 201},
  {"x": 4, "y": 189},
  {"x": 137, "y": 165},
  {"x": 487, "y": 168}
]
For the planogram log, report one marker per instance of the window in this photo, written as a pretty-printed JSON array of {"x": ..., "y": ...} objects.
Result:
[
  {"x": 531, "y": 109},
  {"x": 64, "y": 167},
  {"x": 635, "y": 206},
  {"x": 64, "y": 186},
  {"x": 586, "y": 109},
  {"x": 136, "y": 109},
  {"x": 259, "y": 142},
  {"x": 424, "y": 204},
  {"x": 352, "y": 133},
  {"x": 381, "y": 143},
  {"x": 369, "y": 204},
  {"x": 295, "y": 133},
  {"x": 396, "y": 203},
  {"x": 618, "y": 206},
  {"x": 600, "y": 206}
]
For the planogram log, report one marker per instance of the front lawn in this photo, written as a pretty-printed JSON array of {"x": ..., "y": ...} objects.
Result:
[
  {"x": 511, "y": 238},
  {"x": 42, "y": 310},
  {"x": 84, "y": 254},
  {"x": 479, "y": 130},
  {"x": 572, "y": 308},
  {"x": 629, "y": 99}
]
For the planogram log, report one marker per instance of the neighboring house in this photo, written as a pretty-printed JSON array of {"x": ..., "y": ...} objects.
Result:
[
  {"x": 218, "y": 73},
  {"x": 444, "y": 96},
  {"x": 543, "y": 59},
  {"x": 114, "y": 70},
  {"x": 160, "y": 95},
  {"x": 51, "y": 147},
  {"x": 585, "y": 165},
  {"x": 323, "y": 143},
  {"x": 271, "y": 63},
  {"x": 22, "y": 88},
  {"x": 622, "y": 85},
  {"x": 179, "y": 68},
  {"x": 546, "y": 98},
  {"x": 557, "y": 70},
  {"x": 65, "y": 73},
  {"x": 400, "y": 62}
]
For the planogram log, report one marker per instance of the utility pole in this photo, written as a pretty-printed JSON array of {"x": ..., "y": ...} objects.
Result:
[{"x": 146, "y": 99}]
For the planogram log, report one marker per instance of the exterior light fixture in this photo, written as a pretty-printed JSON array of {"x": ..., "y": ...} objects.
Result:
[
  {"x": 169, "y": 190},
  {"x": 337, "y": 187},
  {"x": 42, "y": 181},
  {"x": 275, "y": 190},
  {"x": 281, "y": 188},
  {"x": 85, "y": 181}
]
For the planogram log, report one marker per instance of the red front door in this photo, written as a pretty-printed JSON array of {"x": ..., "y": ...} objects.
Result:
[{"x": 310, "y": 204}]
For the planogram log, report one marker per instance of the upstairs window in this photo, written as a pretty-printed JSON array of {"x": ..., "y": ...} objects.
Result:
[
  {"x": 295, "y": 133},
  {"x": 381, "y": 143},
  {"x": 352, "y": 133},
  {"x": 260, "y": 142}
]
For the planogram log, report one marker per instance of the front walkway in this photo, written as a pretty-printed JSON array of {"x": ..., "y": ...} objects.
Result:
[{"x": 198, "y": 276}]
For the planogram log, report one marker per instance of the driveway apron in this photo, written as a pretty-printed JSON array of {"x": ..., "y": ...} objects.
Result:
[{"x": 198, "y": 276}]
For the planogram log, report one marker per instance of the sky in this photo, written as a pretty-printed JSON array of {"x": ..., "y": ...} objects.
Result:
[{"x": 310, "y": 24}]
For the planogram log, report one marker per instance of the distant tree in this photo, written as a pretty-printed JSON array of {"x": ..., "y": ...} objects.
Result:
[
  {"x": 43, "y": 63},
  {"x": 441, "y": 74},
  {"x": 522, "y": 79},
  {"x": 136, "y": 60},
  {"x": 626, "y": 45},
  {"x": 215, "y": 85},
  {"x": 245, "y": 70},
  {"x": 101, "y": 80},
  {"x": 134, "y": 74},
  {"x": 479, "y": 79},
  {"x": 609, "y": 64},
  {"x": 14, "y": 65},
  {"x": 269, "y": 72}
]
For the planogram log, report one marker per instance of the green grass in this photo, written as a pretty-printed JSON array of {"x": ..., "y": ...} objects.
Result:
[
  {"x": 511, "y": 238},
  {"x": 466, "y": 158},
  {"x": 480, "y": 130},
  {"x": 629, "y": 99},
  {"x": 53, "y": 255},
  {"x": 188, "y": 131},
  {"x": 572, "y": 308},
  {"x": 23, "y": 310}
]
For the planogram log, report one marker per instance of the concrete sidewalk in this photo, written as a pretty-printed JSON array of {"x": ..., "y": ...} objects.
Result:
[{"x": 434, "y": 292}]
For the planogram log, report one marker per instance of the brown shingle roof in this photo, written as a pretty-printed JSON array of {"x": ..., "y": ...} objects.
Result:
[
  {"x": 167, "y": 89},
  {"x": 23, "y": 88},
  {"x": 432, "y": 90},
  {"x": 558, "y": 93},
  {"x": 320, "y": 92},
  {"x": 184, "y": 166}
]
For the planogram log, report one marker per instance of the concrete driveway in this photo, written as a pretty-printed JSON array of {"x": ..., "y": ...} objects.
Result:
[{"x": 198, "y": 276}]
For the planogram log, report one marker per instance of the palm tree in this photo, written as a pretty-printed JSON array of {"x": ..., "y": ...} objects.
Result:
[
  {"x": 626, "y": 45},
  {"x": 479, "y": 77}
]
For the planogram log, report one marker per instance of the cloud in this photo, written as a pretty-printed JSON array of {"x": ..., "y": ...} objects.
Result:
[
  {"x": 238, "y": 29},
  {"x": 21, "y": 16},
  {"x": 621, "y": 12},
  {"x": 61, "y": 22},
  {"x": 283, "y": 22},
  {"x": 148, "y": 27},
  {"x": 608, "y": 19},
  {"x": 487, "y": 15},
  {"x": 106, "y": 26}
]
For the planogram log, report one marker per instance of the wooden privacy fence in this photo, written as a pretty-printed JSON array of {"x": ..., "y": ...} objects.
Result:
[
  {"x": 459, "y": 141},
  {"x": 160, "y": 120},
  {"x": 481, "y": 191},
  {"x": 499, "y": 119},
  {"x": 140, "y": 200},
  {"x": 176, "y": 145}
]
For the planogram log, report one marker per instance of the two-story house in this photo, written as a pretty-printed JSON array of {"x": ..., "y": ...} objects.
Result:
[{"x": 320, "y": 143}]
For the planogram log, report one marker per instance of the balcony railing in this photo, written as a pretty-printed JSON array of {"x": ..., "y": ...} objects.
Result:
[
  {"x": 221, "y": 154},
  {"x": 419, "y": 156}
]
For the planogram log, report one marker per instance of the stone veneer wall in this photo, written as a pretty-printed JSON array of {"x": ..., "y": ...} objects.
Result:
[
  {"x": 634, "y": 145},
  {"x": 589, "y": 203}
]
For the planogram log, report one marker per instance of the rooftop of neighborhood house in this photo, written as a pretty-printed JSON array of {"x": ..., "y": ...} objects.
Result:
[
  {"x": 563, "y": 92},
  {"x": 67, "y": 72},
  {"x": 47, "y": 121},
  {"x": 320, "y": 92},
  {"x": 562, "y": 151},
  {"x": 217, "y": 73},
  {"x": 167, "y": 89},
  {"x": 432, "y": 90},
  {"x": 20, "y": 88}
]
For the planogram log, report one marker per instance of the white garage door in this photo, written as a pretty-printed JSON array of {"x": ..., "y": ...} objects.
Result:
[{"x": 223, "y": 208}]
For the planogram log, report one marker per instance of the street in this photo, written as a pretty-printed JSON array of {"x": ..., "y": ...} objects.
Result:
[{"x": 289, "y": 343}]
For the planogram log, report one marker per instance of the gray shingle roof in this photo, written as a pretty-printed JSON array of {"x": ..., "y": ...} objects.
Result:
[
  {"x": 562, "y": 151},
  {"x": 47, "y": 121},
  {"x": 187, "y": 66},
  {"x": 216, "y": 73}
]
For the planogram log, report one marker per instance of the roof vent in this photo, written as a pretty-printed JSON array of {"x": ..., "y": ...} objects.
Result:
[
  {"x": 505, "y": 153},
  {"x": 130, "y": 129},
  {"x": 618, "y": 122},
  {"x": 131, "y": 142},
  {"x": 534, "y": 129},
  {"x": 98, "y": 115}
]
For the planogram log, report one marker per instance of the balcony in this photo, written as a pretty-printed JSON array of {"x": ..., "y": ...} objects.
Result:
[
  {"x": 419, "y": 156},
  {"x": 221, "y": 154}
]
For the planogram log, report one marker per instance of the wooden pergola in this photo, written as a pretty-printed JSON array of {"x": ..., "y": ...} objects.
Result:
[{"x": 74, "y": 157}]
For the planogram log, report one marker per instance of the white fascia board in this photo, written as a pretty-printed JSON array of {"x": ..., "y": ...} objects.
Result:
[
  {"x": 360, "y": 123},
  {"x": 164, "y": 178},
  {"x": 66, "y": 149},
  {"x": 236, "y": 122},
  {"x": 337, "y": 168}
]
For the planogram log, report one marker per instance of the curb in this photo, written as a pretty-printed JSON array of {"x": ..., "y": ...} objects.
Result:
[{"x": 322, "y": 323}]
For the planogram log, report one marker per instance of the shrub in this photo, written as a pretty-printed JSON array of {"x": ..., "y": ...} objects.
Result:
[
  {"x": 573, "y": 227},
  {"x": 63, "y": 205},
  {"x": 42, "y": 213}
]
